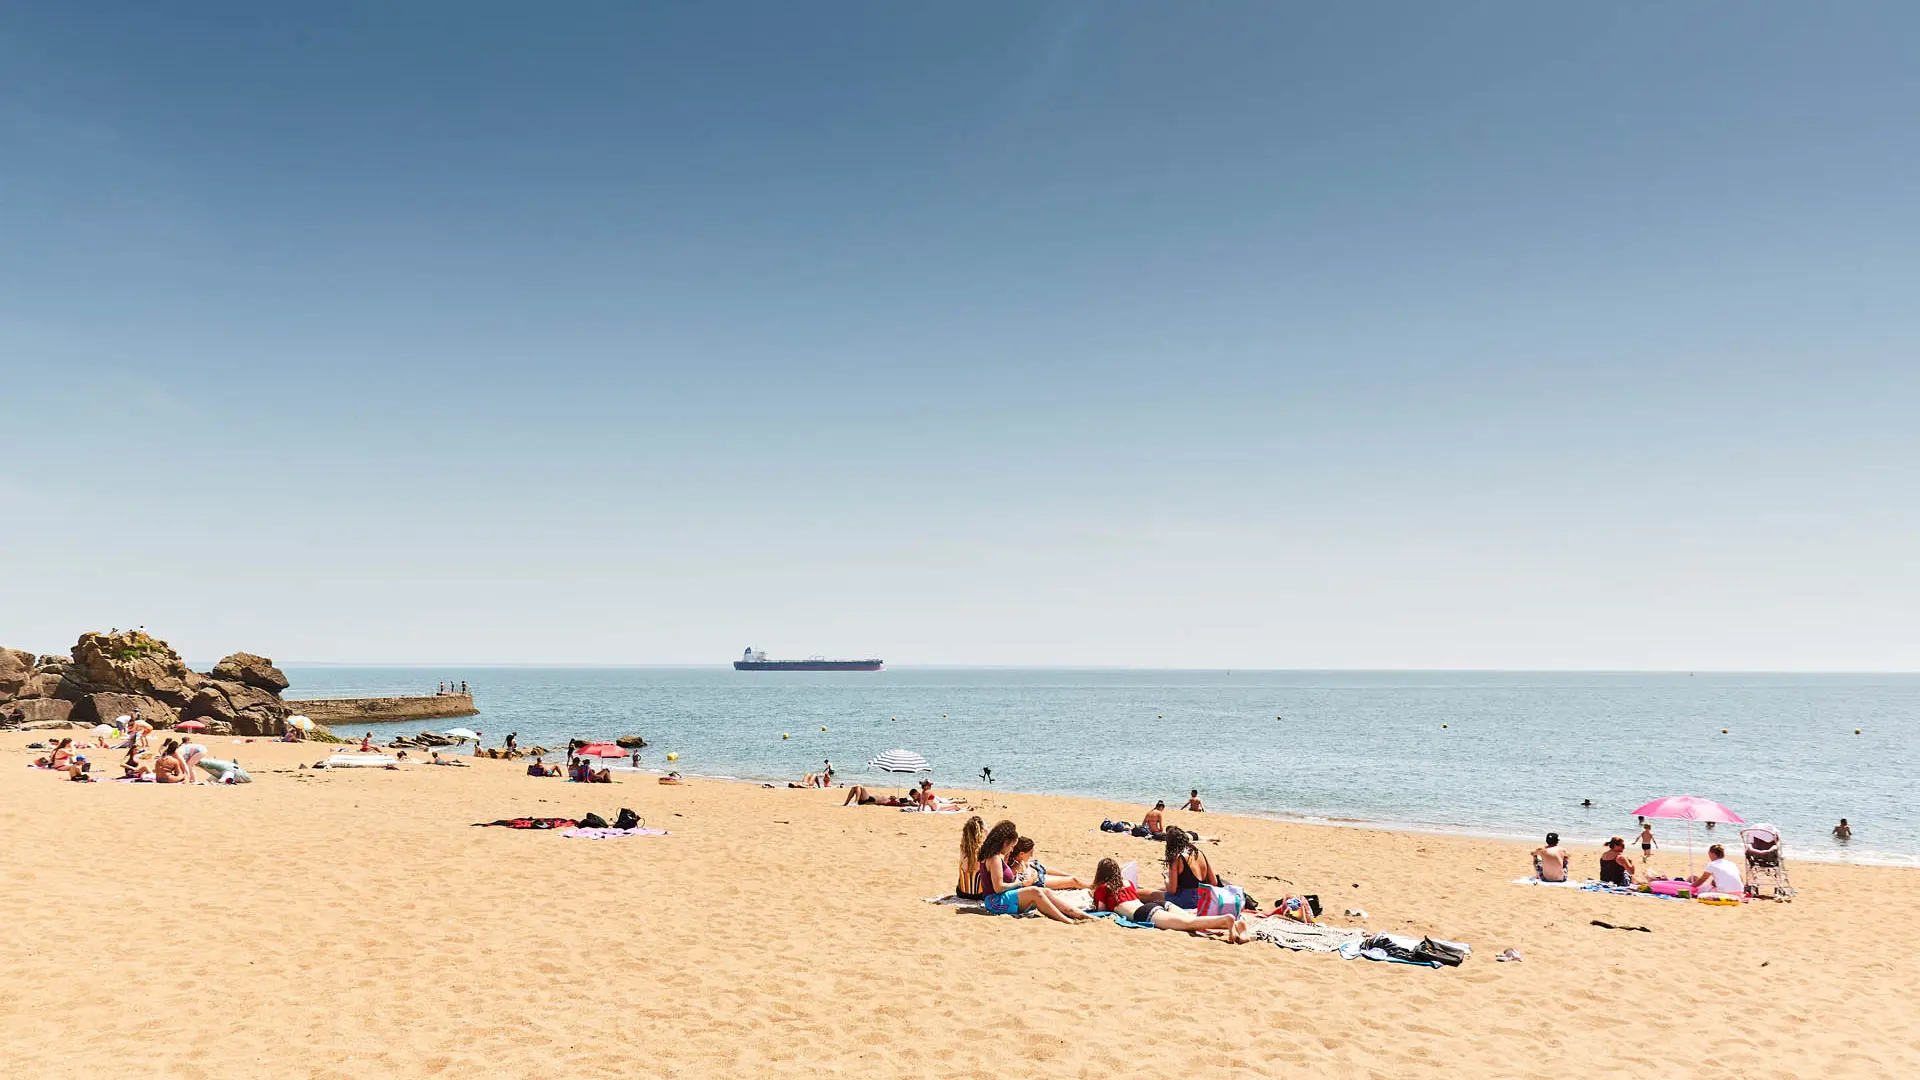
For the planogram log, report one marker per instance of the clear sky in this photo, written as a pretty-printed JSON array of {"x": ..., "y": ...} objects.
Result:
[{"x": 1505, "y": 335}]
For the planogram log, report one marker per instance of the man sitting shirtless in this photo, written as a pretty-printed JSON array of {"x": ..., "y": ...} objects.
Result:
[{"x": 1550, "y": 862}]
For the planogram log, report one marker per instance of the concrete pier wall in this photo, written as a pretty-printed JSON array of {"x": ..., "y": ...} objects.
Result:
[{"x": 384, "y": 710}]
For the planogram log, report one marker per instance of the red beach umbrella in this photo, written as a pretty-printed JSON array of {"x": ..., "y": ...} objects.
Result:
[
  {"x": 191, "y": 725},
  {"x": 601, "y": 750}
]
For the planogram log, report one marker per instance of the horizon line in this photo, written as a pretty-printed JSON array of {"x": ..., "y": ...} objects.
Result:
[{"x": 529, "y": 664}]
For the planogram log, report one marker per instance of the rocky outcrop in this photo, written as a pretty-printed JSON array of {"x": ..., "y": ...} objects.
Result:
[
  {"x": 34, "y": 711},
  {"x": 255, "y": 671},
  {"x": 42, "y": 684},
  {"x": 630, "y": 742},
  {"x": 107, "y": 708},
  {"x": 16, "y": 667},
  {"x": 249, "y": 710},
  {"x": 110, "y": 675}
]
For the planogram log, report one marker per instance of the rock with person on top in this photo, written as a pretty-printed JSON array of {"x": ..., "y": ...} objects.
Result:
[{"x": 110, "y": 675}]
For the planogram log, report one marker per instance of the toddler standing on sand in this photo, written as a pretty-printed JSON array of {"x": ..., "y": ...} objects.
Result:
[{"x": 1646, "y": 841}]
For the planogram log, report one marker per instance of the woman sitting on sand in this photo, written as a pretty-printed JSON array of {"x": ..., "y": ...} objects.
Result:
[
  {"x": 133, "y": 768},
  {"x": 1003, "y": 897},
  {"x": 61, "y": 758},
  {"x": 1187, "y": 870},
  {"x": 1023, "y": 869},
  {"x": 168, "y": 768},
  {"x": 971, "y": 835},
  {"x": 1111, "y": 892}
]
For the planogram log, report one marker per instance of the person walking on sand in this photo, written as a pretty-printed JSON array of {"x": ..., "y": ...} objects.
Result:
[{"x": 1646, "y": 841}]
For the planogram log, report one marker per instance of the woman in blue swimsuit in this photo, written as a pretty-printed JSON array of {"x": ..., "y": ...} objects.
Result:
[{"x": 1003, "y": 897}]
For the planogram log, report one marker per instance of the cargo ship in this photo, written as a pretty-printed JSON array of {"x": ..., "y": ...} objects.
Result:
[{"x": 756, "y": 660}]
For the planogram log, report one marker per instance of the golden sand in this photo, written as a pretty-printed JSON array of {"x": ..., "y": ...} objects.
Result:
[{"x": 353, "y": 924}]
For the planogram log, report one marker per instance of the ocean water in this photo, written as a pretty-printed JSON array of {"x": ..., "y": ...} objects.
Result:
[{"x": 1500, "y": 754}]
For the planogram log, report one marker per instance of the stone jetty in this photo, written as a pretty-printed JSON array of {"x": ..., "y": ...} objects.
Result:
[{"x": 384, "y": 710}]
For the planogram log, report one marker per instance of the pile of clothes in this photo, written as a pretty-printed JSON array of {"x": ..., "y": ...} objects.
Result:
[{"x": 625, "y": 819}]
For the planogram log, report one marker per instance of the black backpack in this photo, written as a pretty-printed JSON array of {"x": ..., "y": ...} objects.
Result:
[
  {"x": 593, "y": 821},
  {"x": 627, "y": 819}
]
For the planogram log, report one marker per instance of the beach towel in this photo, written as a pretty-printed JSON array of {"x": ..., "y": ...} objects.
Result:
[
  {"x": 359, "y": 761},
  {"x": 1308, "y": 937},
  {"x": 609, "y": 834},
  {"x": 530, "y": 823},
  {"x": 1420, "y": 952},
  {"x": 1121, "y": 920}
]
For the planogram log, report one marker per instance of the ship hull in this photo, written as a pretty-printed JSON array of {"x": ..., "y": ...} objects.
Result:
[{"x": 806, "y": 665}]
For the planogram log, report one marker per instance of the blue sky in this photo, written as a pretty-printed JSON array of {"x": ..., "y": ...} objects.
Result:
[{"x": 1227, "y": 335}]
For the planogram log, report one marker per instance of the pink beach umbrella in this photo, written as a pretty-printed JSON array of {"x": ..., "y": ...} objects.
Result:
[
  {"x": 601, "y": 750},
  {"x": 190, "y": 725},
  {"x": 1689, "y": 808}
]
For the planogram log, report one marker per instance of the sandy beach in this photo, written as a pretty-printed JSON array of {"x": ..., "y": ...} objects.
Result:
[{"x": 353, "y": 923}]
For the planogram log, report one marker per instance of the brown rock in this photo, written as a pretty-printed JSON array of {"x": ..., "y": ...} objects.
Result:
[
  {"x": 210, "y": 705},
  {"x": 36, "y": 710},
  {"x": 255, "y": 671},
  {"x": 104, "y": 708},
  {"x": 128, "y": 662},
  {"x": 249, "y": 710},
  {"x": 53, "y": 725},
  {"x": 43, "y": 685},
  {"x": 16, "y": 667}
]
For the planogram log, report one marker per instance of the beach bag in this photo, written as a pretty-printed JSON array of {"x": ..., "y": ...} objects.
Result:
[
  {"x": 1215, "y": 900},
  {"x": 1142, "y": 831},
  {"x": 593, "y": 821},
  {"x": 1439, "y": 952},
  {"x": 627, "y": 819}
]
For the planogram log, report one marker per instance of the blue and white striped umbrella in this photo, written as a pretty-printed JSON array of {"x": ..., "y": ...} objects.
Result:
[{"x": 900, "y": 761}]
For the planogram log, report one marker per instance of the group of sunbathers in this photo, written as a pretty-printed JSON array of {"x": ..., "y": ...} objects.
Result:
[
  {"x": 916, "y": 798},
  {"x": 173, "y": 764},
  {"x": 1552, "y": 862},
  {"x": 997, "y": 868}
]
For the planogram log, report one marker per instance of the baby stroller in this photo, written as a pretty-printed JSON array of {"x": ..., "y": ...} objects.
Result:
[{"x": 1766, "y": 862}]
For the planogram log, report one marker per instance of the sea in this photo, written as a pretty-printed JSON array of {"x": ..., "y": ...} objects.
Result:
[{"x": 1501, "y": 754}]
